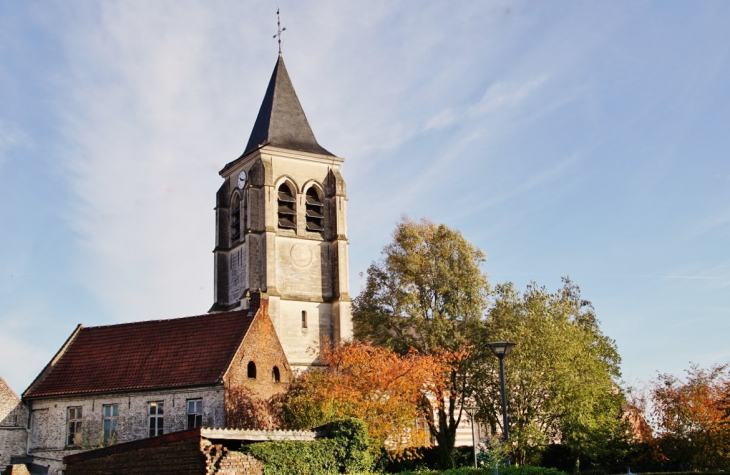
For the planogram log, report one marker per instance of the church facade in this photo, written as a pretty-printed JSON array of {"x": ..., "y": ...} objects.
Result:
[{"x": 281, "y": 289}]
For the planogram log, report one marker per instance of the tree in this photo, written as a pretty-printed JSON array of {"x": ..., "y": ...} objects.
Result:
[
  {"x": 373, "y": 384},
  {"x": 428, "y": 293},
  {"x": 690, "y": 418},
  {"x": 560, "y": 375}
]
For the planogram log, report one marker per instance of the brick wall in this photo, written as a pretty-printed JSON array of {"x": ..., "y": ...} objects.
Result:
[
  {"x": 236, "y": 463},
  {"x": 182, "y": 453},
  {"x": 167, "y": 456},
  {"x": 260, "y": 346}
]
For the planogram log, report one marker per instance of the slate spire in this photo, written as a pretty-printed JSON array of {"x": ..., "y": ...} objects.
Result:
[{"x": 281, "y": 121}]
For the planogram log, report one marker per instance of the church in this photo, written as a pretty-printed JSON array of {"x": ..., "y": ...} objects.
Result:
[{"x": 281, "y": 288}]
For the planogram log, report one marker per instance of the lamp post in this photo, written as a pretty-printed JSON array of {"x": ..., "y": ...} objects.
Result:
[
  {"x": 472, "y": 411},
  {"x": 500, "y": 350}
]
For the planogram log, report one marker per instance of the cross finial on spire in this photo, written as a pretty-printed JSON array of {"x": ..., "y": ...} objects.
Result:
[{"x": 278, "y": 22}]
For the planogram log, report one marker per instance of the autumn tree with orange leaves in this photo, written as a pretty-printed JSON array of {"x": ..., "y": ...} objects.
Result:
[
  {"x": 690, "y": 418},
  {"x": 374, "y": 384}
]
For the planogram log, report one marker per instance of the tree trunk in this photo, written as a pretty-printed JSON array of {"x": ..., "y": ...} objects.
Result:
[{"x": 446, "y": 437}]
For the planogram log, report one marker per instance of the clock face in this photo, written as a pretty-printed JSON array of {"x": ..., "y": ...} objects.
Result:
[{"x": 241, "y": 180}]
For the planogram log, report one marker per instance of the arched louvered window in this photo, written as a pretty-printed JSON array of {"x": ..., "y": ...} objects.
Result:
[
  {"x": 315, "y": 211},
  {"x": 245, "y": 212},
  {"x": 287, "y": 208},
  {"x": 252, "y": 370},
  {"x": 275, "y": 375},
  {"x": 236, "y": 217}
]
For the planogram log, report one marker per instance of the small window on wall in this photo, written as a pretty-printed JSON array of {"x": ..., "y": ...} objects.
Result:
[
  {"x": 195, "y": 413},
  {"x": 252, "y": 370},
  {"x": 287, "y": 208},
  {"x": 73, "y": 435},
  {"x": 304, "y": 319},
  {"x": 315, "y": 211},
  {"x": 110, "y": 413},
  {"x": 276, "y": 375},
  {"x": 236, "y": 217},
  {"x": 156, "y": 418}
]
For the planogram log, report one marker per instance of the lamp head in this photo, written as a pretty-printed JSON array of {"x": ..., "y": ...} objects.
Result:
[{"x": 501, "y": 348}]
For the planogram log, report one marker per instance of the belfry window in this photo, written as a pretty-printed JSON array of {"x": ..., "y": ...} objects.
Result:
[
  {"x": 276, "y": 375},
  {"x": 315, "y": 209},
  {"x": 245, "y": 212},
  {"x": 287, "y": 208},
  {"x": 236, "y": 217}
]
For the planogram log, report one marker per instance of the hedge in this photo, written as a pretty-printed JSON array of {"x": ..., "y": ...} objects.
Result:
[
  {"x": 512, "y": 470},
  {"x": 345, "y": 451}
]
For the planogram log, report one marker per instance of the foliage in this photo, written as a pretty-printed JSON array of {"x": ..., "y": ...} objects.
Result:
[
  {"x": 494, "y": 453},
  {"x": 424, "y": 458},
  {"x": 353, "y": 444},
  {"x": 245, "y": 410},
  {"x": 690, "y": 418},
  {"x": 346, "y": 451},
  {"x": 374, "y": 384},
  {"x": 294, "y": 458},
  {"x": 511, "y": 470},
  {"x": 559, "y": 376},
  {"x": 428, "y": 293}
]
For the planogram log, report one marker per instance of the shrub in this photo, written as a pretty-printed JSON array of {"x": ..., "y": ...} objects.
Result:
[
  {"x": 512, "y": 470},
  {"x": 345, "y": 451}
]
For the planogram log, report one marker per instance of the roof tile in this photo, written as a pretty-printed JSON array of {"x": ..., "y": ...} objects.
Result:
[{"x": 190, "y": 351}]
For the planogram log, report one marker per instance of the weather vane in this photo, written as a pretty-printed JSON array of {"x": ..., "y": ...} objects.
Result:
[{"x": 278, "y": 22}]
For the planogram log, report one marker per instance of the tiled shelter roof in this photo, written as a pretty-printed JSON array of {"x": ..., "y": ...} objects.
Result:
[{"x": 190, "y": 351}]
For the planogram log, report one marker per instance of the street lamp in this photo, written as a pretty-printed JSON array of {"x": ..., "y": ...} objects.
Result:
[
  {"x": 472, "y": 411},
  {"x": 500, "y": 350}
]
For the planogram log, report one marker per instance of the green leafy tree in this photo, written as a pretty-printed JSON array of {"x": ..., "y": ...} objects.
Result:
[
  {"x": 560, "y": 376},
  {"x": 428, "y": 293}
]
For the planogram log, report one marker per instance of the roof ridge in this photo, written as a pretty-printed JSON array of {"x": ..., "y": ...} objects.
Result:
[{"x": 140, "y": 322}]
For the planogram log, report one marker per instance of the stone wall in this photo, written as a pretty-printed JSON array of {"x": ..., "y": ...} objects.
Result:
[
  {"x": 13, "y": 419},
  {"x": 49, "y": 419}
]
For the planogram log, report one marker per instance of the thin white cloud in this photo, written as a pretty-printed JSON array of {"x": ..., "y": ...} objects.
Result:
[
  {"x": 10, "y": 136},
  {"x": 439, "y": 120},
  {"x": 506, "y": 94}
]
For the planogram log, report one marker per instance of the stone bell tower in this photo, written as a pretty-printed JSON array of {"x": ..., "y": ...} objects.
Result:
[{"x": 281, "y": 217}]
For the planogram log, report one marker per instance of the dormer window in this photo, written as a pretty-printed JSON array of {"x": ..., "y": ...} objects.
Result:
[
  {"x": 287, "y": 208},
  {"x": 315, "y": 211},
  {"x": 236, "y": 217}
]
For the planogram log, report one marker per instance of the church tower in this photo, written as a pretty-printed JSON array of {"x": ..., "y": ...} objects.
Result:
[{"x": 281, "y": 217}]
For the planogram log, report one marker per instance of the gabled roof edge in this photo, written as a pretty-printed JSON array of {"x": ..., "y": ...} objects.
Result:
[
  {"x": 223, "y": 375},
  {"x": 51, "y": 364}
]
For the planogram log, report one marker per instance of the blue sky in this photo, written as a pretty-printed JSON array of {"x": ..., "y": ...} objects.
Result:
[{"x": 587, "y": 139}]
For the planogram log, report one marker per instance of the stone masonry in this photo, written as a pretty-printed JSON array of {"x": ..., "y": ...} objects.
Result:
[{"x": 13, "y": 419}]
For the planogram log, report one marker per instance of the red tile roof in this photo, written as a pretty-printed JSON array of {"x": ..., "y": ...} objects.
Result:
[{"x": 191, "y": 351}]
